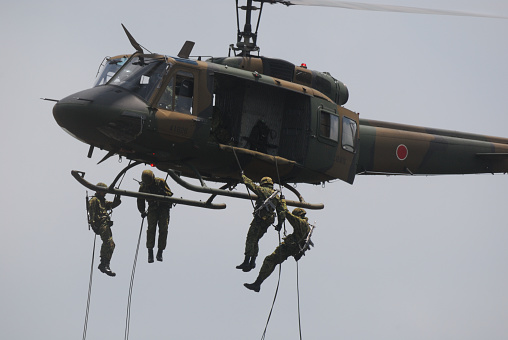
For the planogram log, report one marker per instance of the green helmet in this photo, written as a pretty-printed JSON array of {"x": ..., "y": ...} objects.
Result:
[
  {"x": 299, "y": 212},
  {"x": 266, "y": 182},
  {"x": 101, "y": 192},
  {"x": 147, "y": 177}
]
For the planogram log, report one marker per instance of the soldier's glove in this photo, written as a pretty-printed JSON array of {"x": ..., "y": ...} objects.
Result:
[
  {"x": 117, "y": 199},
  {"x": 143, "y": 214}
]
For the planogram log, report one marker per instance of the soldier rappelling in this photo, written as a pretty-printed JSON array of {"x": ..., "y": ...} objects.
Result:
[
  {"x": 100, "y": 221},
  {"x": 268, "y": 204}
]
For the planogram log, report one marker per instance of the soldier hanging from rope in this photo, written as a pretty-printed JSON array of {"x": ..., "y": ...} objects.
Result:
[
  {"x": 294, "y": 244},
  {"x": 267, "y": 204},
  {"x": 157, "y": 213},
  {"x": 101, "y": 223}
]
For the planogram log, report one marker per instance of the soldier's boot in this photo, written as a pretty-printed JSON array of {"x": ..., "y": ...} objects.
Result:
[
  {"x": 150, "y": 255},
  {"x": 159, "y": 255},
  {"x": 251, "y": 265},
  {"x": 255, "y": 286},
  {"x": 245, "y": 263},
  {"x": 104, "y": 267}
]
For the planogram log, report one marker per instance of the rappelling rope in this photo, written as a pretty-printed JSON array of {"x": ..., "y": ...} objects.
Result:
[
  {"x": 280, "y": 264},
  {"x": 298, "y": 299},
  {"x": 241, "y": 170},
  {"x": 85, "y": 327},
  {"x": 128, "y": 316}
]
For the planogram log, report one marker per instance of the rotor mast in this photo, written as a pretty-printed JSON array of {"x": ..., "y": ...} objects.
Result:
[{"x": 246, "y": 39}]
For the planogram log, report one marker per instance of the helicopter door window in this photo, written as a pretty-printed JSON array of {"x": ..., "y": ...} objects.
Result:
[
  {"x": 166, "y": 101},
  {"x": 184, "y": 92},
  {"x": 349, "y": 128},
  {"x": 329, "y": 126}
]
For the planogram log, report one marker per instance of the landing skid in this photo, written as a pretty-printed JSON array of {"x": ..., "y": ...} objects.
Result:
[{"x": 80, "y": 177}]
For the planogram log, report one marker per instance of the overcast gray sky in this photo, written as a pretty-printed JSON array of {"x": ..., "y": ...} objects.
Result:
[{"x": 395, "y": 258}]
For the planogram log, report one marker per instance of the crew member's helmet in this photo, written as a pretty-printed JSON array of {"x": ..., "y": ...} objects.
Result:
[
  {"x": 147, "y": 177},
  {"x": 266, "y": 182},
  {"x": 299, "y": 212}
]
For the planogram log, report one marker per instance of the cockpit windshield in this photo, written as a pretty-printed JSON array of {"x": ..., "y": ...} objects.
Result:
[
  {"x": 108, "y": 68},
  {"x": 141, "y": 75}
]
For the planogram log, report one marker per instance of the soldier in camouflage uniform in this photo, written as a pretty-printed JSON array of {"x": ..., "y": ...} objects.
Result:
[
  {"x": 157, "y": 213},
  {"x": 291, "y": 246},
  {"x": 101, "y": 223},
  {"x": 264, "y": 216}
]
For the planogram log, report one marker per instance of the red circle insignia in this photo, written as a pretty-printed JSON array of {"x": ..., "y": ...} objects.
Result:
[{"x": 402, "y": 152}]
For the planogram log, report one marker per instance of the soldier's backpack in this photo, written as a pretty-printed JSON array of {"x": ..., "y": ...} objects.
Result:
[{"x": 90, "y": 224}]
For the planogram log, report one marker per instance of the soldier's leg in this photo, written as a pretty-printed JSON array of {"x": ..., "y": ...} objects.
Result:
[
  {"x": 152, "y": 219},
  {"x": 280, "y": 255},
  {"x": 163, "y": 228},
  {"x": 107, "y": 248},
  {"x": 163, "y": 232},
  {"x": 257, "y": 229}
]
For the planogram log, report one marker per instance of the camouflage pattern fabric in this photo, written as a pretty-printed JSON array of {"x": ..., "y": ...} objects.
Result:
[
  {"x": 289, "y": 247},
  {"x": 156, "y": 217},
  {"x": 98, "y": 209},
  {"x": 157, "y": 214},
  {"x": 264, "y": 218}
]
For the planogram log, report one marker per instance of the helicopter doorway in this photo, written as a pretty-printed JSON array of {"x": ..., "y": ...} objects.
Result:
[{"x": 261, "y": 117}]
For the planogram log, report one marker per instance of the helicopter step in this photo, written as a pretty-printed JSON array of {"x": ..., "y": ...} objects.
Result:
[{"x": 80, "y": 177}]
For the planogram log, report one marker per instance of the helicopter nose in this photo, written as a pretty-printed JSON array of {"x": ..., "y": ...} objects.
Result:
[{"x": 96, "y": 113}]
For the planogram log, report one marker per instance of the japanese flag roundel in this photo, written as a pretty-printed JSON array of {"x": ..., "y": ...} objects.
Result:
[{"x": 402, "y": 152}]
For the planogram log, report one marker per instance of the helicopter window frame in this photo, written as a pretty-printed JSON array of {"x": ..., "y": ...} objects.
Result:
[
  {"x": 329, "y": 126},
  {"x": 174, "y": 102},
  {"x": 349, "y": 133},
  {"x": 141, "y": 75}
]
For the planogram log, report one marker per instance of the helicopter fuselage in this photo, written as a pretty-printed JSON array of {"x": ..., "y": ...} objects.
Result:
[
  {"x": 204, "y": 117},
  {"x": 264, "y": 116}
]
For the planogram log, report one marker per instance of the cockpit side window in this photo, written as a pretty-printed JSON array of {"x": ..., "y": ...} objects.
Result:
[
  {"x": 178, "y": 94},
  {"x": 141, "y": 75},
  {"x": 184, "y": 92}
]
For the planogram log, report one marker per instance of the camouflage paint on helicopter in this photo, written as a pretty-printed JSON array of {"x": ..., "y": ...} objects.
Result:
[
  {"x": 188, "y": 115},
  {"x": 199, "y": 117}
]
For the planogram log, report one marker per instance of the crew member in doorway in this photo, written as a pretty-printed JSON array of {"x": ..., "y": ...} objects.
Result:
[
  {"x": 99, "y": 216},
  {"x": 294, "y": 244},
  {"x": 157, "y": 213},
  {"x": 267, "y": 204}
]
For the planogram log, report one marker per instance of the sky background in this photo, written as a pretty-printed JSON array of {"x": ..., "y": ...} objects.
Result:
[{"x": 395, "y": 258}]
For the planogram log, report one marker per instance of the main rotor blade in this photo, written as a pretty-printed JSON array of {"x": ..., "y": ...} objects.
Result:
[
  {"x": 133, "y": 41},
  {"x": 383, "y": 8}
]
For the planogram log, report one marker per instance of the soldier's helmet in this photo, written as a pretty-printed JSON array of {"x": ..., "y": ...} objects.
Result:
[
  {"x": 147, "y": 177},
  {"x": 299, "y": 212},
  {"x": 102, "y": 185},
  {"x": 266, "y": 182}
]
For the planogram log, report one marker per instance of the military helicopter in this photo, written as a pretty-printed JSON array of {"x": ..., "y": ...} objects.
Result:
[{"x": 214, "y": 119}]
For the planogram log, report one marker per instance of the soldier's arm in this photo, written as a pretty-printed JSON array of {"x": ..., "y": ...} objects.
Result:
[
  {"x": 116, "y": 202},
  {"x": 281, "y": 209},
  {"x": 92, "y": 209},
  {"x": 167, "y": 190},
  {"x": 294, "y": 220},
  {"x": 248, "y": 182},
  {"x": 141, "y": 201}
]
